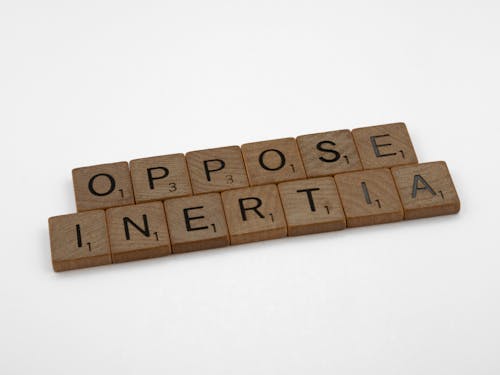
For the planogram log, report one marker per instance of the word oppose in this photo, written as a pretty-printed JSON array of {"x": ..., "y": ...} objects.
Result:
[{"x": 226, "y": 196}]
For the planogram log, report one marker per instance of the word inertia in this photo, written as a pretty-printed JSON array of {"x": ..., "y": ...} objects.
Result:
[{"x": 232, "y": 195}]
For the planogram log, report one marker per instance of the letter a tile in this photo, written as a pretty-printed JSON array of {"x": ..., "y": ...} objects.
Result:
[
  {"x": 369, "y": 197},
  {"x": 384, "y": 146},
  {"x": 196, "y": 223},
  {"x": 426, "y": 190},
  {"x": 254, "y": 214},
  {"x": 138, "y": 232},
  {"x": 79, "y": 240}
]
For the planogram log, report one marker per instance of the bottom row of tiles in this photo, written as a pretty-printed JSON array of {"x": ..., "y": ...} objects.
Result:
[{"x": 251, "y": 214}]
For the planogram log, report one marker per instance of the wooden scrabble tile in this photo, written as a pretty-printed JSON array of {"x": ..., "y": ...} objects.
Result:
[
  {"x": 329, "y": 153},
  {"x": 369, "y": 197},
  {"x": 102, "y": 186},
  {"x": 311, "y": 206},
  {"x": 138, "y": 232},
  {"x": 79, "y": 240},
  {"x": 426, "y": 190},
  {"x": 273, "y": 161},
  {"x": 216, "y": 169},
  {"x": 196, "y": 223},
  {"x": 254, "y": 214},
  {"x": 160, "y": 177},
  {"x": 384, "y": 146}
]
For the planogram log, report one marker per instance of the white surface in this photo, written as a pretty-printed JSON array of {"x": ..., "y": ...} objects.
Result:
[{"x": 104, "y": 81}]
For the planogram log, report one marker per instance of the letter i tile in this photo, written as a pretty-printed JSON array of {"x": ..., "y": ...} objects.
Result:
[{"x": 369, "y": 197}]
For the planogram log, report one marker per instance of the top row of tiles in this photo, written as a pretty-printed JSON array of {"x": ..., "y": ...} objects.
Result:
[{"x": 218, "y": 169}]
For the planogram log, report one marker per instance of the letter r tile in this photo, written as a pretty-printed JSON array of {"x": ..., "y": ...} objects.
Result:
[
  {"x": 426, "y": 190},
  {"x": 384, "y": 146},
  {"x": 254, "y": 214},
  {"x": 196, "y": 223},
  {"x": 102, "y": 186}
]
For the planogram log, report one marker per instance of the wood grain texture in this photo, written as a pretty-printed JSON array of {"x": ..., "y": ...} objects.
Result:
[
  {"x": 79, "y": 240},
  {"x": 273, "y": 161},
  {"x": 216, "y": 169},
  {"x": 369, "y": 197},
  {"x": 426, "y": 190},
  {"x": 196, "y": 223},
  {"x": 254, "y": 214},
  {"x": 102, "y": 186},
  {"x": 160, "y": 177},
  {"x": 329, "y": 153},
  {"x": 138, "y": 232},
  {"x": 311, "y": 206},
  {"x": 384, "y": 146}
]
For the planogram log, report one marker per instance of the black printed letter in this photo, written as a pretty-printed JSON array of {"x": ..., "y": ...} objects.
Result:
[
  {"x": 309, "y": 197},
  {"x": 244, "y": 209},
  {"x": 151, "y": 178}
]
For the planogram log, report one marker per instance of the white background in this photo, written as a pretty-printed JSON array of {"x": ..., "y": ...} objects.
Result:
[{"x": 91, "y": 82}]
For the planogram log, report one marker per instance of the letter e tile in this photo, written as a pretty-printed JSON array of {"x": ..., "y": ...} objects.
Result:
[
  {"x": 196, "y": 223},
  {"x": 384, "y": 146}
]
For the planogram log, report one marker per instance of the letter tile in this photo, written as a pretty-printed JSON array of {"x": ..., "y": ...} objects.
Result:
[
  {"x": 138, "y": 232},
  {"x": 273, "y": 161},
  {"x": 216, "y": 169},
  {"x": 254, "y": 214},
  {"x": 329, "y": 153},
  {"x": 102, "y": 186},
  {"x": 384, "y": 146},
  {"x": 79, "y": 240},
  {"x": 196, "y": 223},
  {"x": 160, "y": 177},
  {"x": 369, "y": 197},
  {"x": 426, "y": 190},
  {"x": 312, "y": 206}
]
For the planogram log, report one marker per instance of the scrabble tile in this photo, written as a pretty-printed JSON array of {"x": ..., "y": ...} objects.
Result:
[
  {"x": 369, "y": 197},
  {"x": 273, "y": 161},
  {"x": 159, "y": 178},
  {"x": 196, "y": 223},
  {"x": 426, "y": 190},
  {"x": 79, "y": 240},
  {"x": 329, "y": 153},
  {"x": 216, "y": 169},
  {"x": 138, "y": 232},
  {"x": 254, "y": 214},
  {"x": 311, "y": 206},
  {"x": 384, "y": 146},
  {"x": 102, "y": 186}
]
